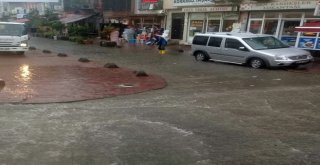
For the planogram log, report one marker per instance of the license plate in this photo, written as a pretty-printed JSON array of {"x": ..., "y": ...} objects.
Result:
[{"x": 302, "y": 62}]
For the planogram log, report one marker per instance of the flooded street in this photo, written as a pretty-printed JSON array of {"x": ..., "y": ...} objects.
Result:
[{"x": 209, "y": 113}]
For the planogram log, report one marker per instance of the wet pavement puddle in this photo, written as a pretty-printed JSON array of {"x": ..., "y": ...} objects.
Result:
[{"x": 47, "y": 84}]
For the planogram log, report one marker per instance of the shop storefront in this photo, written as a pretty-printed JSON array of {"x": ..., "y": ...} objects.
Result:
[
  {"x": 215, "y": 19},
  {"x": 190, "y": 18},
  {"x": 279, "y": 18}
]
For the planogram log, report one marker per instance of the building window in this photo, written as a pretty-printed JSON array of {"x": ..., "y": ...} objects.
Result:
[
  {"x": 270, "y": 27},
  {"x": 196, "y": 26},
  {"x": 228, "y": 20},
  {"x": 255, "y": 26},
  {"x": 213, "y": 26}
]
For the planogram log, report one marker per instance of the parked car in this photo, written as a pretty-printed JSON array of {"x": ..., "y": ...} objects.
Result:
[{"x": 255, "y": 50}]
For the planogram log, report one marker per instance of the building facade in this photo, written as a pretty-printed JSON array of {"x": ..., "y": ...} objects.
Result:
[
  {"x": 274, "y": 17},
  {"x": 185, "y": 19},
  {"x": 148, "y": 13},
  {"x": 118, "y": 11},
  {"x": 17, "y": 8},
  {"x": 279, "y": 18}
]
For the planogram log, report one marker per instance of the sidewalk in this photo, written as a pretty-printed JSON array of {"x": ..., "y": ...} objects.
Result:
[{"x": 47, "y": 78}]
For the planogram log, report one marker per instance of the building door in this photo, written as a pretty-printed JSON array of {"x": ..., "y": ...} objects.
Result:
[
  {"x": 287, "y": 33},
  {"x": 177, "y": 26}
]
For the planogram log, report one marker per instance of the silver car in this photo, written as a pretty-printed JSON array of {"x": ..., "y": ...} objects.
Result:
[{"x": 257, "y": 51}]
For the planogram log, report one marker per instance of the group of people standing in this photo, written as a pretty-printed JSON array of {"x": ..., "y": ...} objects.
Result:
[{"x": 150, "y": 37}]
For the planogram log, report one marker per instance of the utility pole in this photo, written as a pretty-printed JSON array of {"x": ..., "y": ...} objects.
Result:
[
  {"x": 1, "y": 9},
  {"x": 62, "y": 5}
]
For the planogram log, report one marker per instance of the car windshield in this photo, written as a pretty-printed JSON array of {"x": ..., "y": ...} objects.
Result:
[
  {"x": 269, "y": 42},
  {"x": 11, "y": 29}
]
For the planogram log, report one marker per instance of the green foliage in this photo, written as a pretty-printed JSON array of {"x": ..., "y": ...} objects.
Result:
[
  {"x": 78, "y": 30},
  {"x": 48, "y": 24},
  {"x": 57, "y": 25}
]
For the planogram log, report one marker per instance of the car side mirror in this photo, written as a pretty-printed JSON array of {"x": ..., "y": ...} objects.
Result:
[{"x": 242, "y": 48}]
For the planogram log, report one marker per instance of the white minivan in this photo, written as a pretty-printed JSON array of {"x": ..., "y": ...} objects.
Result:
[{"x": 255, "y": 50}]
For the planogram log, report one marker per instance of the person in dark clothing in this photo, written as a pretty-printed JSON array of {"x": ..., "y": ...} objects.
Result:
[{"x": 162, "y": 42}]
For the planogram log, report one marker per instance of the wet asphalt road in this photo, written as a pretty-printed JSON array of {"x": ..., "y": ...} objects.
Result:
[{"x": 210, "y": 113}]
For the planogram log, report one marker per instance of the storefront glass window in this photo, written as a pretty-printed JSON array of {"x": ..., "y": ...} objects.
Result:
[
  {"x": 270, "y": 27},
  {"x": 288, "y": 35},
  {"x": 255, "y": 26},
  {"x": 310, "y": 15},
  {"x": 310, "y": 34},
  {"x": 213, "y": 26},
  {"x": 291, "y": 15},
  {"x": 196, "y": 26},
  {"x": 271, "y": 15},
  {"x": 256, "y": 15},
  {"x": 227, "y": 25}
]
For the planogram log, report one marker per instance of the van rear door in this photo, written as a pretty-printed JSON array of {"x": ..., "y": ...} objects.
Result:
[{"x": 214, "y": 48}]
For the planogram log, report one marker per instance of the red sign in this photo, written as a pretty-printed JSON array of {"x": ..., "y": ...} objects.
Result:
[{"x": 150, "y": 1}]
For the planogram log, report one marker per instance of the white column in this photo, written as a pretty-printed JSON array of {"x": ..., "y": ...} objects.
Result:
[
  {"x": 1, "y": 9},
  {"x": 185, "y": 27}
]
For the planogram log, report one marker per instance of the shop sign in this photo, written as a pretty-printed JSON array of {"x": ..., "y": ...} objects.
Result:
[
  {"x": 208, "y": 9},
  {"x": 192, "y": 2},
  {"x": 279, "y": 5},
  {"x": 150, "y": 1},
  {"x": 307, "y": 43},
  {"x": 318, "y": 44}
]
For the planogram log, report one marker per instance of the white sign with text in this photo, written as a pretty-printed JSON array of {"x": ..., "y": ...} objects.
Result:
[
  {"x": 192, "y": 2},
  {"x": 279, "y": 5}
]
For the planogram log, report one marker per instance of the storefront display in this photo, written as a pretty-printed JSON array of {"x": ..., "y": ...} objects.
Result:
[
  {"x": 196, "y": 26},
  {"x": 307, "y": 43},
  {"x": 211, "y": 22}
]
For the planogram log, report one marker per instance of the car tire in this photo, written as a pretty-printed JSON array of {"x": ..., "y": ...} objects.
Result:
[
  {"x": 20, "y": 53},
  {"x": 256, "y": 63},
  {"x": 201, "y": 56}
]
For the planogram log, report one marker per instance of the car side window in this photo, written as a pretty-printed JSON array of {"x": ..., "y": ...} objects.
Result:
[
  {"x": 200, "y": 40},
  {"x": 233, "y": 43},
  {"x": 215, "y": 41}
]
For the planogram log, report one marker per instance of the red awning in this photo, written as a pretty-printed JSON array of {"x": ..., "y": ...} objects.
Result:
[
  {"x": 69, "y": 18},
  {"x": 309, "y": 27},
  {"x": 22, "y": 20}
]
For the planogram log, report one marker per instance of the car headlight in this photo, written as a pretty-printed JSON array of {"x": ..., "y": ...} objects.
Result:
[
  {"x": 23, "y": 44},
  {"x": 310, "y": 57},
  {"x": 281, "y": 58}
]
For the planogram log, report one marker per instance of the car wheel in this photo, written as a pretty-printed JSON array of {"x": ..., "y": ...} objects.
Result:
[
  {"x": 200, "y": 56},
  {"x": 20, "y": 53},
  {"x": 256, "y": 63}
]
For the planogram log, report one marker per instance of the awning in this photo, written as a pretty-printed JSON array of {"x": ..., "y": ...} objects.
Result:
[
  {"x": 69, "y": 18},
  {"x": 309, "y": 27},
  {"x": 22, "y": 20}
]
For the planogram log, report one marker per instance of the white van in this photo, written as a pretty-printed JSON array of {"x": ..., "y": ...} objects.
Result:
[
  {"x": 13, "y": 37},
  {"x": 257, "y": 51}
]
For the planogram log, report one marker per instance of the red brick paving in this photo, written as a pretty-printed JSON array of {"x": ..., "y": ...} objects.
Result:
[{"x": 46, "y": 78}]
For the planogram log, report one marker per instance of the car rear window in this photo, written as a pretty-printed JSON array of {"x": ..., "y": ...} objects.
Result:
[{"x": 200, "y": 40}]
